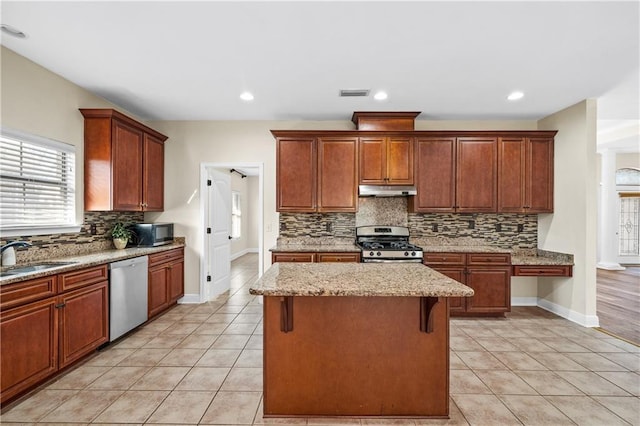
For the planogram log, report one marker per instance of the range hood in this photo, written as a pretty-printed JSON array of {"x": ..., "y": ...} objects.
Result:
[{"x": 386, "y": 191}]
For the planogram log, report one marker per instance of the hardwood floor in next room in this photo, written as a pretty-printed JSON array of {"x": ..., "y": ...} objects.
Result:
[
  {"x": 618, "y": 302},
  {"x": 202, "y": 364}
]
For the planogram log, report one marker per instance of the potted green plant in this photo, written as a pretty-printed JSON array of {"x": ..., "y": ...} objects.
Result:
[{"x": 120, "y": 234}]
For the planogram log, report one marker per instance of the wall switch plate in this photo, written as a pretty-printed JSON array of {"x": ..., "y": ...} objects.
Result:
[
  {"x": 520, "y": 227},
  {"x": 434, "y": 227},
  {"x": 328, "y": 226},
  {"x": 283, "y": 226},
  {"x": 498, "y": 227},
  {"x": 472, "y": 224},
  {"x": 93, "y": 229}
]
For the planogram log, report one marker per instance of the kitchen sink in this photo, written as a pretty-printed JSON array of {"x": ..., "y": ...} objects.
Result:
[{"x": 33, "y": 268}]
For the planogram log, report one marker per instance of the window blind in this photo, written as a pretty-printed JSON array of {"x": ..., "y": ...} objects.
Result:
[{"x": 37, "y": 182}]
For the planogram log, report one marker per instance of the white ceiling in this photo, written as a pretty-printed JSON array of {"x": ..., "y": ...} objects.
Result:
[{"x": 450, "y": 60}]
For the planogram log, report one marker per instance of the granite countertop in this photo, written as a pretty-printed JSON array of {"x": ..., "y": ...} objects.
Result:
[
  {"x": 84, "y": 261},
  {"x": 321, "y": 248},
  {"x": 356, "y": 279},
  {"x": 541, "y": 258}
]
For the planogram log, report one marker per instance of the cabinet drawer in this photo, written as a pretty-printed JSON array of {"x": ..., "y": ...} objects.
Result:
[
  {"x": 543, "y": 271},
  {"x": 293, "y": 257},
  {"x": 339, "y": 257},
  {"x": 165, "y": 256},
  {"x": 12, "y": 295},
  {"x": 444, "y": 259},
  {"x": 488, "y": 259},
  {"x": 83, "y": 277}
]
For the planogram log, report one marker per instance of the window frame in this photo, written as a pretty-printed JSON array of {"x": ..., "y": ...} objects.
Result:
[
  {"x": 236, "y": 195},
  {"x": 52, "y": 228}
]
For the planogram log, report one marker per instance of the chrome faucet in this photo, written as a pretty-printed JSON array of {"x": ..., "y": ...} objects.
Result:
[{"x": 8, "y": 252}]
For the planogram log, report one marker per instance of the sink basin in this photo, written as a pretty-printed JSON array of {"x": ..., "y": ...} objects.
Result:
[{"x": 33, "y": 268}]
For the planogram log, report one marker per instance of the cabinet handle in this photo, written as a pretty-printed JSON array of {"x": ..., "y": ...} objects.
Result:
[{"x": 60, "y": 305}]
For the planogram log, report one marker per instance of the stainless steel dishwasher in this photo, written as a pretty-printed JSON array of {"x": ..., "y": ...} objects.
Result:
[{"x": 127, "y": 295}]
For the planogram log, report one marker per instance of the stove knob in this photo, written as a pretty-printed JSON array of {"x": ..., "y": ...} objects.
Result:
[
  {"x": 413, "y": 253},
  {"x": 406, "y": 253},
  {"x": 370, "y": 253},
  {"x": 379, "y": 254}
]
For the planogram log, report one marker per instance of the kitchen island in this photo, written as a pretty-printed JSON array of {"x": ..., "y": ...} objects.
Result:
[{"x": 356, "y": 339}]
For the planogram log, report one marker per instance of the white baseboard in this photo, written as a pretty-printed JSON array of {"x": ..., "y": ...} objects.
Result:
[
  {"x": 524, "y": 301},
  {"x": 243, "y": 252},
  {"x": 189, "y": 298},
  {"x": 578, "y": 318}
]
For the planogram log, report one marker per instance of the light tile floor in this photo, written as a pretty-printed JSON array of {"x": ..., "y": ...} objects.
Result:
[{"x": 202, "y": 364}]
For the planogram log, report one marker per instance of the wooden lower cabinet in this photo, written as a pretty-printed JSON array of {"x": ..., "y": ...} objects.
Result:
[
  {"x": 166, "y": 280},
  {"x": 542, "y": 271},
  {"x": 84, "y": 321},
  {"x": 41, "y": 337},
  {"x": 311, "y": 257},
  {"x": 29, "y": 336},
  {"x": 488, "y": 274}
]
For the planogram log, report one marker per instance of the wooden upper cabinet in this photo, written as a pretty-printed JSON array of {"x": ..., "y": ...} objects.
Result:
[
  {"x": 435, "y": 161},
  {"x": 126, "y": 166},
  {"x": 337, "y": 174},
  {"x": 386, "y": 161},
  {"x": 476, "y": 174},
  {"x": 124, "y": 163},
  {"x": 539, "y": 176},
  {"x": 296, "y": 174},
  {"x": 153, "y": 174},
  {"x": 525, "y": 175},
  {"x": 455, "y": 175}
]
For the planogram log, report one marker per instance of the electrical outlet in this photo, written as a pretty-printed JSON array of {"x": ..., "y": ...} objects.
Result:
[
  {"x": 472, "y": 224},
  {"x": 328, "y": 226},
  {"x": 93, "y": 229},
  {"x": 283, "y": 226},
  {"x": 520, "y": 227},
  {"x": 434, "y": 227},
  {"x": 498, "y": 227}
]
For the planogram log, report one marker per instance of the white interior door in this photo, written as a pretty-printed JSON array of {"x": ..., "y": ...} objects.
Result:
[{"x": 219, "y": 238}]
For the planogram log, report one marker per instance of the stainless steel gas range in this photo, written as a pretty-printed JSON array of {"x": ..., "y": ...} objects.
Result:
[{"x": 387, "y": 244}]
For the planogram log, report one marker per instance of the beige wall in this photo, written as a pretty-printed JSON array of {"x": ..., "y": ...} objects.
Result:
[
  {"x": 572, "y": 227},
  {"x": 631, "y": 160},
  {"x": 37, "y": 101}
]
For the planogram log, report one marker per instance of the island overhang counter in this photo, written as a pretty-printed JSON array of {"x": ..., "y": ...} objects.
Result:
[{"x": 356, "y": 339}]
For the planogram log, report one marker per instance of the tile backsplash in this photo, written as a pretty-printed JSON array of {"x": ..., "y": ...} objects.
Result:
[
  {"x": 513, "y": 231},
  {"x": 77, "y": 243}
]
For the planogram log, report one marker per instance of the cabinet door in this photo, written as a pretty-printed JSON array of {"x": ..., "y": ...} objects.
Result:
[
  {"x": 158, "y": 290},
  {"x": 456, "y": 304},
  {"x": 476, "y": 177},
  {"x": 373, "y": 161},
  {"x": 399, "y": 161},
  {"x": 435, "y": 175},
  {"x": 539, "y": 175},
  {"x": 491, "y": 287},
  {"x": 176, "y": 281},
  {"x": 126, "y": 167},
  {"x": 511, "y": 175},
  {"x": 337, "y": 174},
  {"x": 153, "y": 174},
  {"x": 29, "y": 352},
  {"x": 84, "y": 321},
  {"x": 295, "y": 175}
]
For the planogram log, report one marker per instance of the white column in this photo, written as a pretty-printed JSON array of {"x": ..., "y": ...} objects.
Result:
[{"x": 608, "y": 220}]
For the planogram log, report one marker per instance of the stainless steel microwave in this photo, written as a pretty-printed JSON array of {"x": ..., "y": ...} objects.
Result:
[{"x": 151, "y": 234}]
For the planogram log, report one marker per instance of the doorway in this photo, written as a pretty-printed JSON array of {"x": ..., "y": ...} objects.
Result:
[{"x": 219, "y": 204}]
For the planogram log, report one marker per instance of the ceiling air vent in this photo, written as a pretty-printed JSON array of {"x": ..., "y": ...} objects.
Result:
[{"x": 350, "y": 93}]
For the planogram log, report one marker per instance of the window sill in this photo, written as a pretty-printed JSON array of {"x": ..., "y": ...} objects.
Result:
[{"x": 39, "y": 230}]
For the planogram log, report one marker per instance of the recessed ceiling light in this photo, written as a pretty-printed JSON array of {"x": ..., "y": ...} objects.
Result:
[
  {"x": 514, "y": 96},
  {"x": 9, "y": 30},
  {"x": 246, "y": 96},
  {"x": 380, "y": 96}
]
